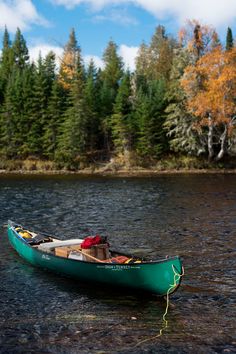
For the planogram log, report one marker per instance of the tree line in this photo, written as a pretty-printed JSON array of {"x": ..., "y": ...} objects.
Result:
[{"x": 179, "y": 100}]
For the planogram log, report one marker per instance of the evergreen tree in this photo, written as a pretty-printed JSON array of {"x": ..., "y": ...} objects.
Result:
[
  {"x": 229, "y": 39},
  {"x": 38, "y": 114},
  {"x": 28, "y": 100},
  {"x": 111, "y": 76},
  {"x": 49, "y": 67},
  {"x": 73, "y": 132},
  {"x": 20, "y": 51},
  {"x": 6, "y": 64},
  {"x": 13, "y": 118},
  {"x": 91, "y": 103},
  {"x": 73, "y": 137},
  {"x": 160, "y": 55},
  {"x": 121, "y": 120},
  {"x": 54, "y": 120},
  {"x": 113, "y": 70},
  {"x": 12, "y": 114},
  {"x": 142, "y": 60},
  {"x": 142, "y": 67},
  {"x": 150, "y": 115}
]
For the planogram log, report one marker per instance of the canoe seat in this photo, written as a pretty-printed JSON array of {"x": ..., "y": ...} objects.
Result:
[{"x": 49, "y": 246}]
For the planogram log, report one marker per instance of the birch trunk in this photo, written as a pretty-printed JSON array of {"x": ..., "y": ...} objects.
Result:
[
  {"x": 210, "y": 139},
  {"x": 223, "y": 144}
]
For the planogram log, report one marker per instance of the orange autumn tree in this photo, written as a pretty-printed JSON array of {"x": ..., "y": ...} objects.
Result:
[{"x": 210, "y": 86}]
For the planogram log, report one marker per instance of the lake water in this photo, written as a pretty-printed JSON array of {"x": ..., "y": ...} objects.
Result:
[{"x": 193, "y": 216}]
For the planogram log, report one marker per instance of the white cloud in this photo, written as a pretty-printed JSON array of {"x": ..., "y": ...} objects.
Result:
[
  {"x": 44, "y": 49},
  {"x": 128, "y": 54},
  {"x": 117, "y": 16},
  {"x": 97, "y": 61},
  {"x": 212, "y": 12},
  {"x": 19, "y": 13},
  {"x": 94, "y": 4}
]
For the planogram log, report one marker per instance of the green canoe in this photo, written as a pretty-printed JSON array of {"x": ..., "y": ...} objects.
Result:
[{"x": 157, "y": 277}]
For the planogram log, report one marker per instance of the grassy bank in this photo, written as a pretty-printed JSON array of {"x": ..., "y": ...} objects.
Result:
[{"x": 120, "y": 166}]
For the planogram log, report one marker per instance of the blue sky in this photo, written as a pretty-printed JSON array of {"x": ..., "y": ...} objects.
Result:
[{"x": 46, "y": 24}]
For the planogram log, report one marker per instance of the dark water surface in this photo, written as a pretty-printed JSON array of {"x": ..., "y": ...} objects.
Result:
[{"x": 190, "y": 215}]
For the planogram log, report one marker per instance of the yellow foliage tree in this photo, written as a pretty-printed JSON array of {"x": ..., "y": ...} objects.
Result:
[
  {"x": 70, "y": 62},
  {"x": 210, "y": 86}
]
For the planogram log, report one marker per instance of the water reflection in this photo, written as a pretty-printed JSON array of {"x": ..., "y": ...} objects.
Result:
[{"x": 193, "y": 216}]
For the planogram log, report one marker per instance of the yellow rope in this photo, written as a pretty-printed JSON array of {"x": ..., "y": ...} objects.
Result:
[{"x": 177, "y": 277}]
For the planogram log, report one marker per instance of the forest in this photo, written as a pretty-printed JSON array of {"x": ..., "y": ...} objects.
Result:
[{"x": 178, "y": 103}]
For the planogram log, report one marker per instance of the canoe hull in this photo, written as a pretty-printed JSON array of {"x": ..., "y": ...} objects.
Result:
[{"x": 153, "y": 277}]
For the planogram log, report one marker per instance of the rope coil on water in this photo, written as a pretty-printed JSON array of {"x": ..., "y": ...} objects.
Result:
[{"x": 177, "y": 277}]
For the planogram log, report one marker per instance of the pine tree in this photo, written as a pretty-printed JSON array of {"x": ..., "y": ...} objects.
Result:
[
  {"x": 160, "y": 55},
  {"x": 6, "y": 64},
  {"x": 38, "y": 114},
  {"x": 142, "y": 60},
  {"x": 49, "y": 66},
  {"x": 142, "y": 117},
  {"x": 14, "y": 126},
  {"x": 73, "y": 137},
  {"x": 20, "y": 51},
  {"x": 90, "y": 97},
  {"x": 229, "y": 39},
  {"x": 28, "y": 100},
  {"x": 111, "y": 76},
  {"x": 54, "y": 120},
  {"x": 73, "y": 131},
  {"x": 121, "y": 120},
  {"x": 149, "y": 113},
  {"x": 142, "y": 67},
  {"x": 113, "y": 70},
  {"x": 12, "y": 114}
]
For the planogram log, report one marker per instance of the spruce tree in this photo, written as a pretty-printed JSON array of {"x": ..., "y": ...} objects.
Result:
[
  {"x": 73, "y": 137},
  {"x": 38, "y": 114},
  {"x": 160, "y": 55},
  {"x": 54, "y": 120},
  {"x": 111, "y": 76},
  {"x": 229, "y": 39},
  {"x": 49, "y": 66},
  {"x": 14, "y": 126},
  {"x": 91, "y": 103},
  {"x": 28, "y": 97},
  {"x": 142, "y": 66},
  {"x": 20, "y": 51},
  {"x": 150, "y": 116},
  {"x": 6, "y": 64},
  {"x": 12, "y": 116},
  {"x": 73, "y": 131},
  {"x": 121, "y": 120}
]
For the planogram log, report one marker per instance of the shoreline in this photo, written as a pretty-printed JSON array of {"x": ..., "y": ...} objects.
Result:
[{"x": 117, "y": 173}]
